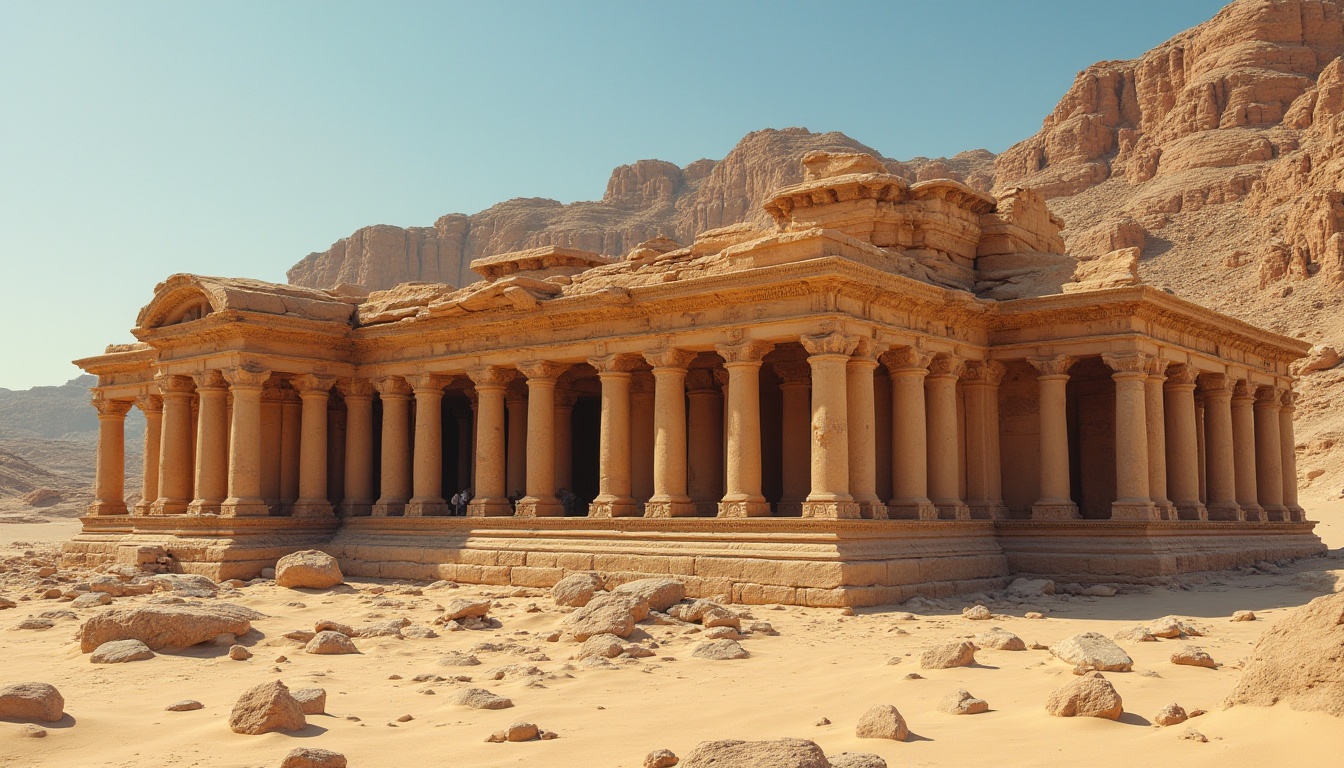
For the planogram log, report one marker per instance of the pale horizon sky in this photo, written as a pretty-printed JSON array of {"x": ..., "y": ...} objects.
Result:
[{"x": 140, "y": 139}]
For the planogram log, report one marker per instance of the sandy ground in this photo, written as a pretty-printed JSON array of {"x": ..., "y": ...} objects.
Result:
[{"x": 823, "y": 664}]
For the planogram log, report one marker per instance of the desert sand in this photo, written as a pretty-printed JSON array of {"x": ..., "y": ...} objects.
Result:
[{"x": 823, "y": 665}]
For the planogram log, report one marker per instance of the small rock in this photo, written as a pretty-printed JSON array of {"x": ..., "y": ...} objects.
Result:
[
  {"x": 823, "y": 721},
  {"x": 91, "y": 600},
  {"x": 953, "y": 653},
  {"x": 329, "y": 642},
  {"x": 857, "y": 760},
  {"x": 1033, "y": 615},
  {"x": 120, "y": 651},
  {"x": 1091, "y": 696},
  {"x": 186, "y": 705},
  {"x": 239, "y": 653},
  {"x": 480, "y": 698},
  {"x": 327, "y": 625},
  {"x": 31, "y": 731},
  {"x": 35, "y": 623},
  {"x": 1031, "y": 587},
  {"x": 660, "y": 758},
  {"x": 962, "y": 703},
  {"x": 312, "y": 757},
  {"x": 660, "y": 593},
  {"x": 1193, "y": 656},
  {"x": 721, "y": 650},
  {"x": 313, "y": 701},
  {"x": 1092, "y": 650},
  {"x": 999, "y": 640},
  {"x": 913, "y": 676},
  {"x": 1190, "y": 734},
  {"x": 522, "y": 732},
  {"x": 882, "y": 722},
  {"x": 265, "y": 708},
  {"x": 976, "y": 613},
  {"x": 1135, "y": 634},
  {"x": 405, "y": 719},
  {"x": 267, "y": 573},
  {"x": 458, "y": 659},
  {"x": 1243, "y": 616},
  {"x": 1172, "y": 714},
  {"x": 779, "y": 753},
  {"x": 463, "y": 609}
]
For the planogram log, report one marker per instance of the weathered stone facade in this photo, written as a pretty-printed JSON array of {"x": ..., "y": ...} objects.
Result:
[{"x": 823, "y": 413}]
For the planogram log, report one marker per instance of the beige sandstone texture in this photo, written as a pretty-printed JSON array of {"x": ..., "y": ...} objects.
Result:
[{"x": 1299, "y": 661}]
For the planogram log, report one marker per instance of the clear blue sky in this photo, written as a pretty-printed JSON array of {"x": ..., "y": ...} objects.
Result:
[{"x": 140, "y": 139}]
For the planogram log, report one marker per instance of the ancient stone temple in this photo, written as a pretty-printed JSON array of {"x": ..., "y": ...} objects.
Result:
[{"x": 899, "y": 389}]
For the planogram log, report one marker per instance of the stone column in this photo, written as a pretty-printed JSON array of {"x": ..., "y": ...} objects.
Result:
[
  {"x": 152, "y": 407},
  {"x": 1221, "y": 472},
  {"x": 1133, "y": 497},
  {"x": 427, "y": 456},
  {"x": 862, "y": 429},
  {"x": 540, "y": 500},
  {"x": 1182, "y": 443},
  {"x": 742, "y": 482},
  {"x": 395, "y": 490},
  {"x": 1288, "y": 451},
  {"x": 491, "y": 499},
  {"x": 291, "y": 447},
  {"x": 795, "y": 388},
  {"x": 1268, "y": 454},
  {"x": 1156, "y": 427},
  {"x": 358, "y": 498},
  {"x": 614, "y": 497},
  {"x": 464, "y": 450},
  {"x": 984, "y": 485},
  {"x": 907, "y": 367},
  {"x": 828, "y": 356},
  {"x": 940, "y": 393},
  {"x": 516, "y": 472},
  {"x": 175, "y": 460},
  {"x": 245, "y": 500},
  {"x": 1243, "y": 451},
  {"x": 669, "y": 425},
  {"x": 704, "y": 480},
  {"x": 1056, "y": 502},
  {"x": 212, "y": 443},
  {"x": 109, "y": 480},
  {"x": 314, "y": 391},
  {"x": 564, "y": 437},
  {"x": 641, "y": 436},
  {"x": 1200, "y": 436},
  {"x": 336, "y": 421}
]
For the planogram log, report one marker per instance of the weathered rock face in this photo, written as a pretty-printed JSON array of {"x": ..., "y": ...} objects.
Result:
[
  {"x": 1299, "y": 661},
  {"x": 643, "y": 200},
  {"x": 165, "y": 626}
]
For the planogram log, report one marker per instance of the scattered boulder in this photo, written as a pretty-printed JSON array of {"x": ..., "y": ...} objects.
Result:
[
  {"x": 1193, "y": 656},
  {"x": 857, "y": 760},
  {"x": 458, "y": 609},
  {"x": 114, "y": 587},
  {"x": 882, "y": 722},
  {"x": 312, "y": 757},
  {"x": 1171, "y": 627},
  {"x": 1297, "y": 661},
  {"x": 31, "y": 701},
  {"x": 601, "y": 646},
  {"x": 520, "y": 732},
  {"x": 613, "y": 613},
  {"x": 35, "y": 622},
  {"x": 185, "y": 584},
  {"x": 166, "y": 626},
  {"x": 312, "y": 701},
  {"x": 781, "y": 753},
  {"x": 1031, "y": 587},
  {"x": 1243, "y": 616},
  {"x": 1093, "y": 650},
  {"x": 962, "y": 703},
  {"x": 239, "y": 653},
  {"x": 977, "y": 613},
  {"x": 660, "y": 758},
  {"x": 1090, "y": 696},
  {"x": 331, "y": 643},
  {"x": 308, "y": 569},
  {"x": 480, "y": 698},
  {"x": 185, "y": 705},
  {"x": 999, "y": 640},
  {"x": 1136, "y": 634},
  {"x": 1172, "y": 714},
  {"x": 90, "y": 600},
  {"x": 720, "y": 650},
  {"x": 953, "y": 653},
  {"x": 120, "y": 651},
  {"x": 334, "y": 626},
  {"x": 458, "y": 659},
  {"x": 720, "y": 617},
  {"x": 1190, "y": 734},
  {"x": 576, "y": 589},
  {"x": 265, "y": 708},
  {"x": 660, "y": 593}
]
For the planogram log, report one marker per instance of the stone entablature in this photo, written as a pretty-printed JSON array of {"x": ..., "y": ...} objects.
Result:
[{"x": 821, "y": 371}]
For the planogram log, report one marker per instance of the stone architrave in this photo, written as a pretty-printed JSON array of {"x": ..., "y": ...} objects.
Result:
[
  {"x": 245, "y": 386},
  {"x": 427, "y": 454},
  {"x": 742, "y": 481},
  {"x": 940, "y": 393},
  {"x": 1133, "y": 498},
  {"x": 212, "y": 443},
  {"x": 1056, "y": 501},
  {"x": 358, "y": 498},
  {"x": 908, "y": 366},
  {"x": 828, "y": 355},
  {"x": 541, "y": 500},
  {"x": 614, "y": 497},
  {"x": 109, "y": 485},
  {"x": 314, "y": 392},
  {"x": 670, "y": 498},
  {"x": 491, "y": 498},
  {"x": 175, "y": 458},
  {"x": 395, "y": 486}
]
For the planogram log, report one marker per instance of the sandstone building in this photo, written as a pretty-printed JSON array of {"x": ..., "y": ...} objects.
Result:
[{"x": 899, "y": 389}]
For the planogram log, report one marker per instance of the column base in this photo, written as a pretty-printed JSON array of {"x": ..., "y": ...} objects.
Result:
[
  {"x": 311, "y": 508},
  {"x": 952, "y": 510},
  {"x": 1191, "y": 510},
  {"x": 1277, "y": 513},
  {"x": 988, "y": 510},
  {"x": 389, "y": 509},
  {"x": 534, "y": 506},
  {"x": 355, "y": 509},
  {"x": 1165, "y": 509},
  {"x": 1298, "y": 514},
  {"x": 669, "y": 507},
  {"x": 872, "y": 509},
  {"x": 911, "y": 509},
  {"x": 1051, "y": 509},
  {"x": 832, "y": 510},
  {"x": 141, "y": 508},
  {"x": 757, "y": 507},
  {"x": 489, "y": 508},
  {"x": 1253, "y": 513},
  {"x": 613, "y": 506},
  {"x": 1224, "y": 510},
  {"x": 427, "y": 508},
  {"x": 236, "y": 507},
  {"x": 204, "y": 507},
  {"x": 1133, "y": 510},
  {"x": 107, "y": 508},
  {"x": 169, "y": 507}
]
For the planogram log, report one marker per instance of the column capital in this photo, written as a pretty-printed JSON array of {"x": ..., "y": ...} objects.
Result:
[
  {"x": 427, "y": 382},
  {"x": 210, "y": 380},
  {"x": 869, "y": 349},
  {"x": 832, "y": 343},
  {"x": 1269, "y": 397},
  {"x": 1216, "y": 384},
  {"x": 542, "y": 370},
  {"x": 1057, "y": 365},
  {"x": 700, "y": 380},
  {"x": 747, "y": 351},
  {"x": 1157, "y": 368},
  {"x": 246, "y": 377},
  {"x": 906, "y": 359},
  {"x": 491, "y": 376},
  {"x": 793, "y": 372},
  {"x": 392, "y": 386},
  {"x": 109, "y": 407},
  {"x": 149, "y": 403},
  {"x": 1243, "y": 392},
  {"x": 670, "y": 357},
  {"x": 984, "y": 372},
  {"x": 171, "y": 384},
  {"x": 1182, "y": 376},
  {"x": 609, "y": 364},
  {"x": 949, "y": 366},
  {"x": 1127, "y": 364},
  {"x": 565, "y": 398},
  {"x": 354, "y": 388},
  {"x": 312, "y": 384},
  {"x": 1289, "y": 399}
]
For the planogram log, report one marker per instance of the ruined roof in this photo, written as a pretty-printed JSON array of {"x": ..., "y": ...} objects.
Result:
[
  {"x": 183, "y": 297},
  {"x": 545, "y": 259}
]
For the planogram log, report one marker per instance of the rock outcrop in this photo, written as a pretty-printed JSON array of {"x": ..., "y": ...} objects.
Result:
[
  {"x": 165, "y": 626},
  {"x": 1299, "y": 661}
]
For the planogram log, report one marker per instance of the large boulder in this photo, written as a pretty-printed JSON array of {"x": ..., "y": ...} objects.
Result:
[
  {"x": 330, "y": 643},
  {"x": 31, "y": 701},
  {"x": 1091, "y": 696},
  {"x": 309, "y": 569},
  {"x": 953, "y": 653},
  {"x": 166, "y": 626},
  {"x": 781, "y": 753},
  {"x": 576, "y": 589},
  {"x": 660, "y": 593},
  {"x": 120, "y": 651},
  {"x": 612, "y": 613},
  {"x": 265, "y": 708},
  {"x": 1299, "y": 661},
  {"x": 1093, "y": 650},
  {"x": 882, "y": 722}
]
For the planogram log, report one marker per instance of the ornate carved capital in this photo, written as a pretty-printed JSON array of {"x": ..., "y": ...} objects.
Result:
[
  {"x": 833, "y": 343},
  {"x": 312, "y": 383},
  {"x": 355, "y": 388},
  {"x": 109, "y": 407},
  {"x": 149, "y": 404},
  {"x": 721, "y": 376},
  {"x": 491, "y": 376},
  {"x": 210, "y": 380},
  {"x": 1289, "y": 399},
  {"x": 1269, "y": 397},
  {"x": 870, "y": 349},
  {"x": 392, "y": 386},
  {"x": 1243, "y": 390},
  {"x": 984, "y": 372},
  {"x": 669, "y": 358},
  {"x": 1215, "y": 384},
  {"x": 794, "y": 372},
  {"x": 1157, "y": 367},
  {"x": 428, "y": 381},
  {"x": 542, "y": 370},
  {"x": 700, "y": 380},
  {"x": 906, "y": 359},
  {"x": 749, "y": 351},
  {"x": 615, "y": 363},
  {"x": 565, "y": 398},
  {"x": 1182, "y": 376},
  {"x": 946, "y": 365},
  {"x": 1133, "y": 362},
  {"x": 169, "y": 384},
  {"x": 247, "y": 377},
  {"x": 1052, "y": 366}
]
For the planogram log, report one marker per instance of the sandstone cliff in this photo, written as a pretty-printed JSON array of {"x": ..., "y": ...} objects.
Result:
[{"x": 643, "y": 200}]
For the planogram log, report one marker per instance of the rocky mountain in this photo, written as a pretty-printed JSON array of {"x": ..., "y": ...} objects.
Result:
[{"x": 643, "y": 200}]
